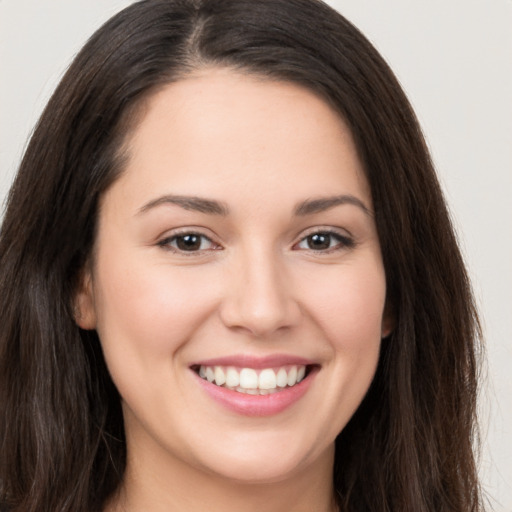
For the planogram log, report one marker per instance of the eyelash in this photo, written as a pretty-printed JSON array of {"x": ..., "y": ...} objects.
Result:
[
  {"x": 342, "y": 242},
  {"x": 167, "y": 242}
]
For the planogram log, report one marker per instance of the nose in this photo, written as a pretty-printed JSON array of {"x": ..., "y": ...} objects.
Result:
[{"x": 259, "y": 296}]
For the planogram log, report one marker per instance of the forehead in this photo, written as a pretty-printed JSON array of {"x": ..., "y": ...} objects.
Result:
[{"x": 219, "y": 131}]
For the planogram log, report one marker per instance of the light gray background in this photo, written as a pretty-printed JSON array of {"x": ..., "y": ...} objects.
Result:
[{"x": 454, "y": 59}]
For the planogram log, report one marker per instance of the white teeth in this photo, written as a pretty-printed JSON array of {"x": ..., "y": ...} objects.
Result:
[
  {"x": 281, "y": 378},
  {"x": 251, "y": 381},
  {"x": 292, "y": 376},
  {"x": 220, "y": 377},
  {"x": 232, "y": 378},
  {"x": 267, "y": 379},
  {"x": 210, "y": 374},
  {"x": 248, "y": 378}
]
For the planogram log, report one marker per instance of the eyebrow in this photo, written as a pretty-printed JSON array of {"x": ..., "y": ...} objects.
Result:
[
  {"x": 318, "y": 205},
  {"x": 192, "y": 203},
  {"x": 213, "y": 207}
]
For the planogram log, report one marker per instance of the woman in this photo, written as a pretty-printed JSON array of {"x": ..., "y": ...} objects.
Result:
[{"x": 229, "y": 279}]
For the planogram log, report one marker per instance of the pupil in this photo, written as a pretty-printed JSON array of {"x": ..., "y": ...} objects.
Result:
[
  {"x": 319, "y": 241},
  {"x": 189, "y": 242}
]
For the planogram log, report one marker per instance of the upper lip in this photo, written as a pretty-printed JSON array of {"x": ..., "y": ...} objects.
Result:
[{"x": 256, "y": 362}]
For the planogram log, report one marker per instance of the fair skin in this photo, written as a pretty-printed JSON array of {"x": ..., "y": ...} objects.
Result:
[{"x": 212, "y": 250}]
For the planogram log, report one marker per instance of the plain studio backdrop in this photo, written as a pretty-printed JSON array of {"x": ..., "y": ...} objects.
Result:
[{"x": 454, "y": 59}]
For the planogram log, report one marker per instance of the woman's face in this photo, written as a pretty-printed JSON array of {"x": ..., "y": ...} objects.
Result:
[{"x": 239, "y": 245}]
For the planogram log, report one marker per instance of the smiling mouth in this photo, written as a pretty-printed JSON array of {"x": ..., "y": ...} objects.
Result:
[{"x": 264, "y": 381}]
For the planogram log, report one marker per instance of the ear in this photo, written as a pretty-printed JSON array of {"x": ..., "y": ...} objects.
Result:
[
  {"x": 388, "y": 321},
  {"x": 84, "y": 310}
]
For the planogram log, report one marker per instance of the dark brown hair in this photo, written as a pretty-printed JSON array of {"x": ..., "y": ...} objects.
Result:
[{"x": 409, "y": 446}]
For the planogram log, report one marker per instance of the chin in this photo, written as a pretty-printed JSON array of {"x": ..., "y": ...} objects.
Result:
[
  {"x": 263, "y": 462},
  {"x": 254, "y": 472}
]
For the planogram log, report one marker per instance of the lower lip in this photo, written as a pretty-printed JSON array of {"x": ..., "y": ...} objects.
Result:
[{"x": 257, "y": 405}]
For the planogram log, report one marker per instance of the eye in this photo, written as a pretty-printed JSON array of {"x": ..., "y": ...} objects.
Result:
[
  {"x": 325, "y": 241},
  {"x": 188, "y": 242}
]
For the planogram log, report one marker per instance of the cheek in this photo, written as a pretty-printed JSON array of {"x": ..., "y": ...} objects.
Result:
[
  {"x": 348, "y": 304},
  {"x": 351, "y": 321},
  {"x": 148, "y": 311}
]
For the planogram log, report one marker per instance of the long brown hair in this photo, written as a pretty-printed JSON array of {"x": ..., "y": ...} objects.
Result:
[{"x": 409, "y": 447}]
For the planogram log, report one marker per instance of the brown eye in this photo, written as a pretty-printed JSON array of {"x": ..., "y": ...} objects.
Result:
[
  {"x": 188, "y": 242},
  {"x": 319, "y": 241},
  {"x": 325, "y": 241}
]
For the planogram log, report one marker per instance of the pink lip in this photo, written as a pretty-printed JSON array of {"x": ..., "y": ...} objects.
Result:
[
  {"x": 247, "y": 361},
  {"x": 257, "y": 405}
]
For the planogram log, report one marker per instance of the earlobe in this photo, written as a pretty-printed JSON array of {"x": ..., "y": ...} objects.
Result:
[
  {"x": 386, "y": 330},
  {"x": 388, "y": 321},
  {"x": 83, "y": 308}
]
